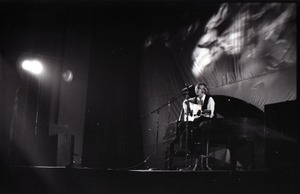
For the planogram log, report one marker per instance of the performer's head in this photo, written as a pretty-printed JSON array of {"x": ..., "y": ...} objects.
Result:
[{"x": 201, "y": 89}]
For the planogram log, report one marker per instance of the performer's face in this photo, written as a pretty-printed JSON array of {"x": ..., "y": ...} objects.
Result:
[{"x": 200, "y": 90}]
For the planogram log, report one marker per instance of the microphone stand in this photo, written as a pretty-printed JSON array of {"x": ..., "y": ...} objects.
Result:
[
  {"x": 187, "y": 125},
  {"x": 166, "y": 104},
  {"x": 157, "y": 120}
]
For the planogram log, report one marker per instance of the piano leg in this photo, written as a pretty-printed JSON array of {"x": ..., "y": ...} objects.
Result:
[{"x": 233, "y": 156}]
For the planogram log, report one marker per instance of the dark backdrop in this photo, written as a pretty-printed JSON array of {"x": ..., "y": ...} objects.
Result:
[
  {"x": 114, "y": 33},
  {"x": 112, "y": 135}
]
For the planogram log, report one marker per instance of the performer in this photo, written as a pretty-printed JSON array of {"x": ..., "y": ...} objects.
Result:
[
  {"x": 199, "y": 111},
  {"x": 200, "y": 107}
]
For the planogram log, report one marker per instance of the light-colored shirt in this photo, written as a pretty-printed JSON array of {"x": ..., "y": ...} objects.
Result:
[{"x": 198, "y": 106}]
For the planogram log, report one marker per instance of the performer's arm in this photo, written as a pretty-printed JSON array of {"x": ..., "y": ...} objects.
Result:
[{"x": 211, "y": 106}]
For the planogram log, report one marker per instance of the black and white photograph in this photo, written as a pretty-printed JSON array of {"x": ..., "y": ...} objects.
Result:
[{"x": 164, "y": 96}]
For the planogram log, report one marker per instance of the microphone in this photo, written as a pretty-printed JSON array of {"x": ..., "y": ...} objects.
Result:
[{"x": 187, "y": 88}]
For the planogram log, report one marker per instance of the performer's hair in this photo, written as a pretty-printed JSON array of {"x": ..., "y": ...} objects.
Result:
[{"x": 205, "y": 87}]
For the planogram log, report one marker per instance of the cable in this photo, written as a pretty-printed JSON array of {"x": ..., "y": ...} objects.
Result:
[{"x": 148, "y": 157}]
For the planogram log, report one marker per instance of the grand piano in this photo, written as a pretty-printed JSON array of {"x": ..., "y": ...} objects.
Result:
[{"x": 237, "y": 125}]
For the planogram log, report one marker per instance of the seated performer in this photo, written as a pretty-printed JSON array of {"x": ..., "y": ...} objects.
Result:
[
  {"x": 200, "y": 107},
  {"x": 198, "y": 111}
]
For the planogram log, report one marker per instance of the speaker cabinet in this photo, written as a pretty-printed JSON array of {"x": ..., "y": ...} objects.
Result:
[{"x": 282, "y": 135}]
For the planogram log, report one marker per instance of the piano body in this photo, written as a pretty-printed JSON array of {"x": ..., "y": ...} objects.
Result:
[{"x": 237, "y": 126}]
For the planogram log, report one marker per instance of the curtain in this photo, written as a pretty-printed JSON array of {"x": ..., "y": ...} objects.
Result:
[{"x": 246, "y": 51}]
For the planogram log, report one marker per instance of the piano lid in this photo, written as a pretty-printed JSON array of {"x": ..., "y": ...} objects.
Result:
[
  {"x": 230, "y": 107},
  {"x": 236, "y": 118}
]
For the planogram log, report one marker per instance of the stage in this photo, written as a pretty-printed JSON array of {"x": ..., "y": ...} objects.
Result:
[{"x": 51, "y": 179}]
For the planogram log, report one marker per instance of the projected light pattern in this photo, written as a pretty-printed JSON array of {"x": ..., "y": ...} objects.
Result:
[
  {"x": 252, "y": 28},
  {"x": 202, "y": 58}
]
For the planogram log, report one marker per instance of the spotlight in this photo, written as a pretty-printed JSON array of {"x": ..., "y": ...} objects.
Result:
[{"x": 33, "y": 66}]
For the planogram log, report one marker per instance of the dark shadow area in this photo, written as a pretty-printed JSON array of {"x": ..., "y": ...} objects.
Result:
[{"x": 61, "y": 180}]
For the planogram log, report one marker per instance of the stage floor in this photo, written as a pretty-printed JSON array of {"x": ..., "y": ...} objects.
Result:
[{"x": 53, "y": 179}]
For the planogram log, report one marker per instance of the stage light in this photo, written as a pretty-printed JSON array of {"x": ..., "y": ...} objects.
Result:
[
  {"x": 68, "y": 76},
  {"x": 33, "y": 66}
]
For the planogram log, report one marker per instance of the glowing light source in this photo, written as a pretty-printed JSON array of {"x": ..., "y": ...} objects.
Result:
[
  {"x": 68, "y": 76},
  {"x": 32, "y": 66}
]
